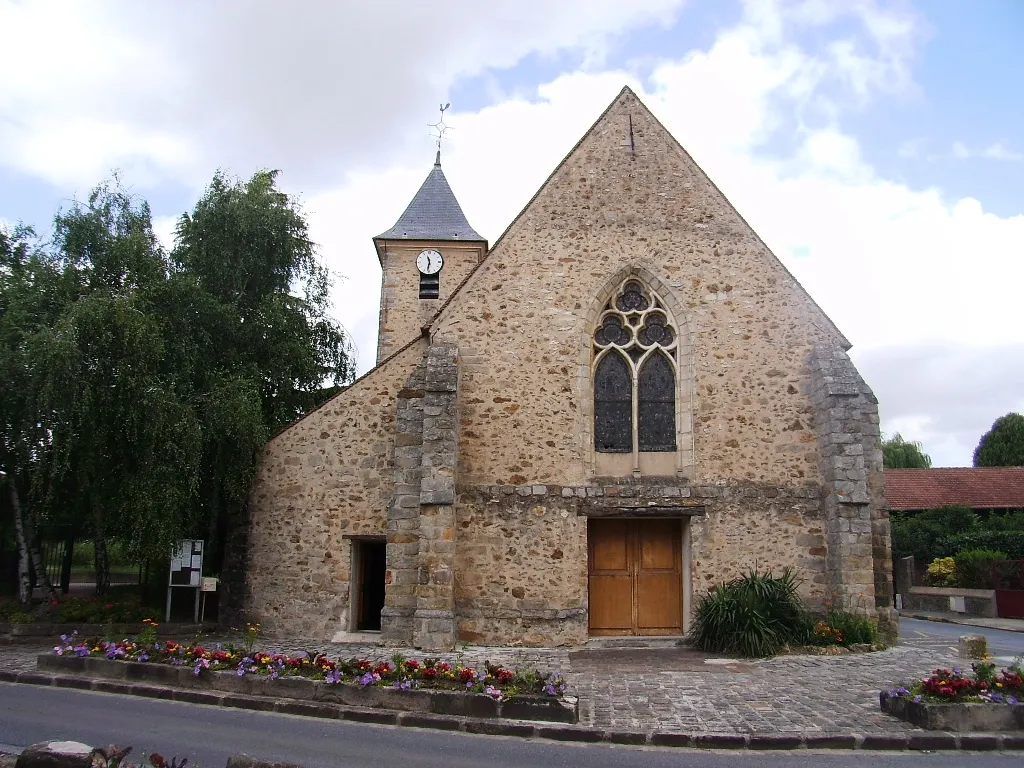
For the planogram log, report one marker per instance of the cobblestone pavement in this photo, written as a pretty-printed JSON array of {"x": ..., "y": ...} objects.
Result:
[
  {"x": 680, "y": 690},
  {"x": 676, "y": 690}
]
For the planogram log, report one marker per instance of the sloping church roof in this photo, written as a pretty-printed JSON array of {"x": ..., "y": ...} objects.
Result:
[{"x": 433, "y": 214}]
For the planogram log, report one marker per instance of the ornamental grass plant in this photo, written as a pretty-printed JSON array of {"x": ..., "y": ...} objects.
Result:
[
  {"x": 754, "y": 615},
  {"x": 758, "y": 615}
]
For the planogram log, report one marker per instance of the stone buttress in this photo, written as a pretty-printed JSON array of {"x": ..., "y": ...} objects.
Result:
[
  {"x": 857, "y": 566},
  {"x": 419, "y": 607}
]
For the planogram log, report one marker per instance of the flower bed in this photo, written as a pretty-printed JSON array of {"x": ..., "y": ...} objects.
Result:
[
  {"x": 950, "y": 700},
  {"x": 428, "y": 685}
]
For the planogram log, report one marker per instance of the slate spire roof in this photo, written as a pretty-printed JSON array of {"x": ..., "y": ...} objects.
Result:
[{"x": 433, "y": 214}]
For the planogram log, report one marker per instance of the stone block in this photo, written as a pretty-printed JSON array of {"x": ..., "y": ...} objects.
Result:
[
  {"x": 55, "y": 754},
  {"x": 972, "y": 647}
]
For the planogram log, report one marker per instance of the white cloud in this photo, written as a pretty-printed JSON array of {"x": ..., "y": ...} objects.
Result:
[
  {"x": 174, "y": 90},
  {"x": 912, "y": 148},
  {"x": 995, "y": 151},
  {"x": 998, "y": 151},
  {"x": 923, "y": 285}
]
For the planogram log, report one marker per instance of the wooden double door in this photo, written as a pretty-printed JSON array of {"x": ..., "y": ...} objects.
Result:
[{"x": 635, "y": 570}]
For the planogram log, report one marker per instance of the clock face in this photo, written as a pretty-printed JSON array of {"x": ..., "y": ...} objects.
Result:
[{"x": 429, "y": 262}]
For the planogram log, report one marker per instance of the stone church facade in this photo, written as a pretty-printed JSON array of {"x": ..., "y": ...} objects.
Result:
[{"x": 578, "y": 430}]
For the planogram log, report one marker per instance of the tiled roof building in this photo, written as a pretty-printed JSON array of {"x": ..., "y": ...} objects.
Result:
[{"x": 975, "y": 487}]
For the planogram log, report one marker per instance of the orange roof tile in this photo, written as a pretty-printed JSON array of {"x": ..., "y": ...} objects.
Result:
[{"x": 975, "y": 487}]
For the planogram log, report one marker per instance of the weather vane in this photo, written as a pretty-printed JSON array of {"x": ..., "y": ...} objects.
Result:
[{"x": 440, "y": 126}]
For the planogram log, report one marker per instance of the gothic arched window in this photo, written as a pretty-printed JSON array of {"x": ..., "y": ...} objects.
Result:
[
  {"x": 613, "y": 404},
  {"x": 635, "y": 374}
]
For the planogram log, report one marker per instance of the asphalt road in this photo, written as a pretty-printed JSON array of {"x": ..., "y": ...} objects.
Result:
[
  {"x": 209, "y": 735},
  {"x": 1000, "y": 642}
]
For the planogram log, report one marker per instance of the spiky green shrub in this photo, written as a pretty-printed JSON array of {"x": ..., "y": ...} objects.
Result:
[{"x": 754, "y": 615}]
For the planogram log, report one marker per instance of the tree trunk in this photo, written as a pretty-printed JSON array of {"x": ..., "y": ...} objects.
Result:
[
  {"x": 102, "y": 560},
  {"x": 36, "y": 558},
  {"x": 24, "y": 580},
  {"x": 67, "y": 564}
]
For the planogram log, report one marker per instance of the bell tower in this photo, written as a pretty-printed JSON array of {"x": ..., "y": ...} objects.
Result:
[{"x": 425, "y": 256}]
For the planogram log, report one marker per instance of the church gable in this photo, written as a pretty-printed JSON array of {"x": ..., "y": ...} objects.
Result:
[
  {"x": 628, "y": 400},
  {"x": 628, "y": 196}
]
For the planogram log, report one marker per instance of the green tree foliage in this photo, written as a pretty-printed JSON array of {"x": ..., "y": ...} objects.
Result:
[
  {"x": 922, "y": 534},
  {"x": 898, "y": 453},
  {"x": 142, "y": 384},
  {"x": 948, "y": 531},
  {"x": 1003, "y": 445}
]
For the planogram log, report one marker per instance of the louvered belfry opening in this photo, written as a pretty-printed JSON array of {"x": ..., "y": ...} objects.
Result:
[
  {"x": 430, "y": 286},
  {"x": 635, "y": 368}
]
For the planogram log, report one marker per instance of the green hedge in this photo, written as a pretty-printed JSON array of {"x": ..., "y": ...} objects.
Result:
[
  {"x": 974, "y": 567},
  {"x": 1009, "y": 542}
]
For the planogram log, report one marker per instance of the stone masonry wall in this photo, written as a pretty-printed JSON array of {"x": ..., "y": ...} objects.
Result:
[
  {"x": 521, "y": 319},
  {"x": 323, "y": 479},
  {"x": 857, "y": 528},
  {"x": 521, "y": 560}
]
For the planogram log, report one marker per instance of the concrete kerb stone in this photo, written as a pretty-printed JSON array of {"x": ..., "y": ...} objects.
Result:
[{"x": 924, "y": 741}]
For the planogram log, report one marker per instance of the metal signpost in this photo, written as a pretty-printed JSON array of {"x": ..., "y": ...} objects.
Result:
[{"x": 186, "y": 571}]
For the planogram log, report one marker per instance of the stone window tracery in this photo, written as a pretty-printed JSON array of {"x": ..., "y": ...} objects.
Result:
[{"x": 635, "y": 360}]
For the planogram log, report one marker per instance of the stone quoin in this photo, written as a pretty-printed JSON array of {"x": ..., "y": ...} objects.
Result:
[{"x": 576, "y": 431}]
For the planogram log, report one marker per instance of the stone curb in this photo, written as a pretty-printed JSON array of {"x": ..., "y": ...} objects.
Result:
[
  {"x": 908, "y": 741},
  {"x": 960, "y": 623}
]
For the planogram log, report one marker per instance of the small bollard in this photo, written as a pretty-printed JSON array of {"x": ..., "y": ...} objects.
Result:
[{"x": 973, "y": 647}]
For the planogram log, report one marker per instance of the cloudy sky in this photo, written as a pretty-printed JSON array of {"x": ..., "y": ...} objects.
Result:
[{"x": 877, "y": 147}]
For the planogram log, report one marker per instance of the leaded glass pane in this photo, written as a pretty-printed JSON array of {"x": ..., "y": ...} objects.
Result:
[
  {"x": 613, "y": 405},
  {"x": 632, "y": 298},
  {"x": 657, "y": 405},
  {"x": 655, "y": 331},
  {"x": 613, "y": 332}
]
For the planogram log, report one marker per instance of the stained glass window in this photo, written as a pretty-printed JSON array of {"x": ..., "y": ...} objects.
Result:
[
  {"x": 613, "y": 405},
  {"x": 656, "y": 395},
  {"x": 644, "y": 378}
]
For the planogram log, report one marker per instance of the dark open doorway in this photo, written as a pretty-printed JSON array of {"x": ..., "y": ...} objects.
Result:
[{"x": 371, "y": 564}]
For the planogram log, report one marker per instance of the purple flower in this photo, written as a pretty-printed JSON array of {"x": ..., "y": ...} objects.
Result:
[
  {"x": 1011, "y": 700},
  {"x": 901, "y": 691},
  {"x": 402, "y": 685},
  {"x": 333, "y": 677},
  {"x": 490, "y": 690},
  {"x": 142, "y": 657},
  {"x": 917, "y": 699},
  {"x": 369, "y": 679}
]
